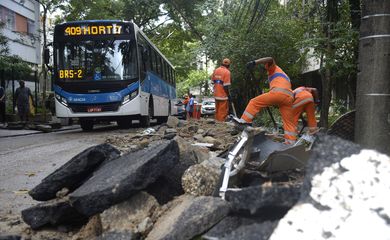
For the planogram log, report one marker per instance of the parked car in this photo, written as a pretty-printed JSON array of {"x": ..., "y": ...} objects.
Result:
[
  {"x": 208, "y": 107},
  {"x": 178, "y": 109}
]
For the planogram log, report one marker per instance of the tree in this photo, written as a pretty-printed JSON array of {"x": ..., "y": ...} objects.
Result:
[
  {"x": 196, "y": 78},
  {"x": 11, "y": 66},
  {"x": 49, "y": 6},
  {"x": 334, "y": 42},
  {"x": 238, "y": 35}
]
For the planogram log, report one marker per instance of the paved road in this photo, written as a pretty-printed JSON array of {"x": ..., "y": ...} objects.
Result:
[{"x": 26, "y": 159}]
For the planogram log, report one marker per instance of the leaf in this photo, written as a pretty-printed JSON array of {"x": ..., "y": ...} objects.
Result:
[
  {"x": 30, "y": 174},
  {"x": 21, "y": 192}
]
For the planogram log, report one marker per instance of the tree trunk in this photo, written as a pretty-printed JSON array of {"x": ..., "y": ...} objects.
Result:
[
  {"x": 354, "y": 6},
  {"x": 326, "y": 97},
  {"x": 372, "y": 125}
]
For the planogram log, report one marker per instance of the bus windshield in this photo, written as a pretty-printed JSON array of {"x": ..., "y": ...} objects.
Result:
[{"x": 96, "y": 60}]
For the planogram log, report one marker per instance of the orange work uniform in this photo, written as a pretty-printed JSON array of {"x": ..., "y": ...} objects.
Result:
[
  {"x": 221, "y": 78},
  {"x": 304, "y": 102},
  {"x": 280, "y": 95}
]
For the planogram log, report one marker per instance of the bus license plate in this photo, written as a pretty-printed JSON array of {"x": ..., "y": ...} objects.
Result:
[{"x": 94, "y": 109}]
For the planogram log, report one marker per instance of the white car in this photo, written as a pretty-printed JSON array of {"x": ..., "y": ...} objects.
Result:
[{"x": 208, "y": 107}]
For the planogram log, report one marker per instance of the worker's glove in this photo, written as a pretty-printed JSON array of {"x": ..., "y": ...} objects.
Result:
[
  {"x": 250, "y": 65},
  {"x": 229, "y": 98}
]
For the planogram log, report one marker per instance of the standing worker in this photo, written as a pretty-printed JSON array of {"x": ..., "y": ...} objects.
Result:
[
  {"x": 280, "y": 95},
  {"x": 221, "y": 80},
  {"x": 22, "y": 98},
  {"x": 190, "y": 107},
  {"x": 305, "y": 99},
  {"x": 185, "y": 102}
]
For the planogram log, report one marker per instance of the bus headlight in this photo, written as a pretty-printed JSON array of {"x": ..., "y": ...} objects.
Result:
[
  {"x": 62, "y": 100},
  {"x": 129, "y": 97},
  {"x": 126, "y": 99}
]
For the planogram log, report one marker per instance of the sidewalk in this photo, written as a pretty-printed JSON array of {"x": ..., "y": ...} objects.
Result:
[{"x": 4, "y": 132}]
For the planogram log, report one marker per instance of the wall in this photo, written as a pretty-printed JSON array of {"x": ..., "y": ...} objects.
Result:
[{"x": 23, "y": 35}]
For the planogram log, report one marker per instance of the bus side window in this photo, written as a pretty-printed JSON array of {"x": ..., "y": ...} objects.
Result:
[
  {"x": 155, "y": 62},
  {"x": 150, "y": 60},
  {"x": 170, "y": 74},
  {"x": 142, "y": 62},
  {"x": 159, "y": 67},
  {"x": 164, "y": 70}
]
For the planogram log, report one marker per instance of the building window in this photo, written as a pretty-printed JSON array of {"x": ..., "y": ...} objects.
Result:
[
  {"x": 21, "y": 24},
  {"x": 7, "y": 17},
  {"x": 30, "y": 27}
]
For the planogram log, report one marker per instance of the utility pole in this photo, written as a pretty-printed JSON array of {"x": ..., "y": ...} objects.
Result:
[{"x": 372, "y": 125}]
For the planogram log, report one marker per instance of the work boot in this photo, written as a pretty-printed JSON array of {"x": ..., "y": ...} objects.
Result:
[{"x": 240, "y": 124}]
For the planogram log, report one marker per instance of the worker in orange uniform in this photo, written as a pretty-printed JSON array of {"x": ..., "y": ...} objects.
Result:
[
  {"x": 221, "y": 80},
  {"x": 305, "y": 99},
  {"x": 280, "y": 95},
  {"x": 185, "y": 102}
]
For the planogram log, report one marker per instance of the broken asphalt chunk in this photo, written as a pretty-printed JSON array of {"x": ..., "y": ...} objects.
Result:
[
  {"x": 54, "y": 213},
  {"x": 189, "y": 218},
  {"x": 74, "y": 172},
  {"x": 123, "y": 177},
  {"x": 226, "y": 226},
  {"x": 256, "y": 199},
  {"x": 256, "y": 231}
]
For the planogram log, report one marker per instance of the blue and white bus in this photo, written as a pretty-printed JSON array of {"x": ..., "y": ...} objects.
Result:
[{"x": 110, "y": 71}]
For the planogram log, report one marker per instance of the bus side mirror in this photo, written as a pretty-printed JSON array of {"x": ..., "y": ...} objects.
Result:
[{"x": 47, "y": 55}]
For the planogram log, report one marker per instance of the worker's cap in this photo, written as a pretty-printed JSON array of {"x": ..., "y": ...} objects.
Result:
[{"x": 226, "y": 61}]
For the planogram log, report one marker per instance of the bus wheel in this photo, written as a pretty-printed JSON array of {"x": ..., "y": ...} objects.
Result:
[
  {"x": 124, "y": 123},
  {"x": 86, "y": 124}
]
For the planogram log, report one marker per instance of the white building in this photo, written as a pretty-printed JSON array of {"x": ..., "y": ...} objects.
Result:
[{"x": 22, "y": 24}]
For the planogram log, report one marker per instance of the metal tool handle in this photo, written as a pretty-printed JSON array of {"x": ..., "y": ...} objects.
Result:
[{"x": 228, "y": 164}]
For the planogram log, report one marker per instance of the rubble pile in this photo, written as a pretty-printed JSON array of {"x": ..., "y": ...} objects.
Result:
[{"x": 163, "y": 186}]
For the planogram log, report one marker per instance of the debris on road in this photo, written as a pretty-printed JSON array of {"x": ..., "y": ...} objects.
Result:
[
  {"x": 164, "y": 189},
  {"x": 74, "y": 172}
]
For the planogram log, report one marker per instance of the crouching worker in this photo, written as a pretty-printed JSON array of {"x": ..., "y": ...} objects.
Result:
[
  {"x": 280, "y": 95},
  {"x": 305, "y": 100}
]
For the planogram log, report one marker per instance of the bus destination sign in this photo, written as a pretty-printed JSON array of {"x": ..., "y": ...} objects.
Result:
[{"x": 84, "y": 30}]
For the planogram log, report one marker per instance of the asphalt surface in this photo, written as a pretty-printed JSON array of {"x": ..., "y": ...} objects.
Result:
[{"x": 27, "y": 156}]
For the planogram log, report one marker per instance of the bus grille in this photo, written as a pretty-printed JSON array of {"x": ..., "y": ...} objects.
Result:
[{"x": 82, "y": 108}]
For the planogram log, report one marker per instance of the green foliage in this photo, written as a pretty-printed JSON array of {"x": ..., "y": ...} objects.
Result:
[
  {"x": 178, "y": 47},
  {"x": 3, "y": 42},
  {"x": 337, "y": 108},
  {"x": 195, "y": 78},
  {"x": 263, "y": 119},
  {"x": 12, "y": 66},
  {"x": 277, "y": 35},
  {"x": 340, "y": 56}
]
